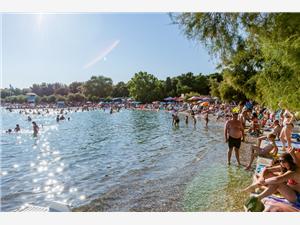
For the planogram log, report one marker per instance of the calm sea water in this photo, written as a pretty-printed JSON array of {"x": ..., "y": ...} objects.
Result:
[{"x": 127, "y": 161}]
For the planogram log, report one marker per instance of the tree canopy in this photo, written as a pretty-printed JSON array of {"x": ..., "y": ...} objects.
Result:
[{"x": 258, "y": 53}]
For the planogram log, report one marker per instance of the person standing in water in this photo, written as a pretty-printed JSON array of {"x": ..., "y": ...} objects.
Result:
[
  {"x": 175, "y": 120},
  {"x": 206, "y": 118},
  {"x": 193, "y": 117},
  {"x": 233, "y": 132},
  {"x": 35, "y": 129}
]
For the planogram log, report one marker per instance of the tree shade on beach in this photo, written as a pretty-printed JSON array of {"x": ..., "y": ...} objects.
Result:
[{"x": 259, "y": 53}]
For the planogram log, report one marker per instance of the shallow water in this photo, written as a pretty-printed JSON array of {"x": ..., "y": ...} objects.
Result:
[{"x": 127, "y": 161}]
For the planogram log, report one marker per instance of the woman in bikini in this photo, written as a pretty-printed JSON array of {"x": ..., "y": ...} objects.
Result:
[
  {"x": 287, "y": 130},
  {"x": 283, "y": 178},
  {"x": 265, "y": 151}
]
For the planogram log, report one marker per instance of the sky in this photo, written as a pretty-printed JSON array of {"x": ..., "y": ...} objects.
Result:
[{"x": 64, "y": 48}]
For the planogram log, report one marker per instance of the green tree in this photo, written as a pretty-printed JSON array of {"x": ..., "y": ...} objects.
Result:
[
  {"x": 62, "y": 91},
  {"x": 120, "y": 90},
  {"x": 75, "y": 87},
  {"x": 145, "y": 87},
  {"x": 5, "y": 93},
  {"x": 214, "y": 87},
  {"x": 258, "y": 52},
  {"x": 98, "y": 86},
  {"x": 52, "y": 99},
  {"x": 168, "y": 86}
]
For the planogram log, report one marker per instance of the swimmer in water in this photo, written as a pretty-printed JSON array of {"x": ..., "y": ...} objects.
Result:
[
  {"x": 9, "y": 131},
  {"x": 57, "y": 118},
  {"x": 17, "y": 128},
  {"x": 29, "y": 118}
]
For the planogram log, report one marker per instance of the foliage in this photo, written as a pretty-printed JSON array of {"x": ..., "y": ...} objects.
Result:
[
  {"x": 76, "y": 87},
  {"x": 145, "y": 87},
  {"x": 120, "y": 90},
  {"x": 259, "y": 53},
  {"x": 98, "y": 86}
]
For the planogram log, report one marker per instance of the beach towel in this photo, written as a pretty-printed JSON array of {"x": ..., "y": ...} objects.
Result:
[
  {"x": 296, "y": 136},
  {"x": 280, "y": 203},
  {"x": 294, "y": 144},
  {"x": 261, "y": 163}
]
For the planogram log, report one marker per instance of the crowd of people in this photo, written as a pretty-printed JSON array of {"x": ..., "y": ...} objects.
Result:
[{"x": 240, "y": 120}]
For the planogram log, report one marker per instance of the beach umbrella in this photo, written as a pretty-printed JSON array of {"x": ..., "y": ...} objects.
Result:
[
  {"x": 179, "y": 99},
  {"x": 169, "y": 99},
  {"x": 206, "y": 99},
  {"x": 204, "y": 104},
  {"x": 194, "y": 98}
]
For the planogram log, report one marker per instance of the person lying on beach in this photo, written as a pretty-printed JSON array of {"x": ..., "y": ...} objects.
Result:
[
  {"x": 265, "y": 151},
  {"x": 283, "y": 178}
]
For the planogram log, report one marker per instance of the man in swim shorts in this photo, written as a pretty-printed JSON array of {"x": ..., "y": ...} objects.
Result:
[{"x": 234, "y": 132}]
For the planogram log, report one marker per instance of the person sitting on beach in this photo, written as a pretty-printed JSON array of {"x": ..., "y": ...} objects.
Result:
[
  {"x": 265, "y": 151},
  {"x": 233, "y": 132},
  {"x": 35, "y": 129},
  {"x": 17, "y": 128},
  {"x": 276, "y": 129},
  {"x": 283, "y": 178},
  {"x": 255, "y": 128},
  {"x": 287, "y": 130}
]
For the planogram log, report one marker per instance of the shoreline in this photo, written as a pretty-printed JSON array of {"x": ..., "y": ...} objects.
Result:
[{"x": 174, "y": 200}]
